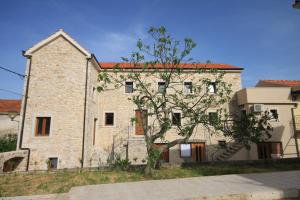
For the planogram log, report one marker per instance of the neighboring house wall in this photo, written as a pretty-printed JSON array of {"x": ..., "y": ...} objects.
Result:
[
  {"x": 8, "y": 126},
  {"x": 9, "y": 116},
  {"x": 273, "y": 98}
]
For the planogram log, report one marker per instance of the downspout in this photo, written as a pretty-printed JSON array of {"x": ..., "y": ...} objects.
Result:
[
  {"x": 84, "y": 111},
  {"x": 295, "y": 132},
  {"x": 24, "y": 110}
]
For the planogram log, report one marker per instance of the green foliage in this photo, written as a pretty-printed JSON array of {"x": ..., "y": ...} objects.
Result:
[
  {"x": 8, "y": 143},
  {"x": 120, "y": 164},
  {"x": 251, "y": 127},
  {"x": 153, "y": 156},
  {"x": 165, "y": 56}
]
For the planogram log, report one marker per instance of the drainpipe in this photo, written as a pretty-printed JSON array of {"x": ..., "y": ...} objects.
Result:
[
  {"x": 295, "y": 132},
  {"x": 24, "y": 110},
  {"x": 84, "y": 115}
]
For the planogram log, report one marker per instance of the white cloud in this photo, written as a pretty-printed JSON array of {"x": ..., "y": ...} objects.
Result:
[{"x": 111, "y": 45}]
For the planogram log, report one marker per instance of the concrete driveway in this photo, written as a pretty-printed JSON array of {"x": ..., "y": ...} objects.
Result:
[{"x": 277, "y": 185}]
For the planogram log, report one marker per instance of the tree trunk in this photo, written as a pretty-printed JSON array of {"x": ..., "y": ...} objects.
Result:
[{"x": 148, "y": 170}]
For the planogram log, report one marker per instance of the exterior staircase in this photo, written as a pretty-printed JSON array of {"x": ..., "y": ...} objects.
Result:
[{"x": 229, "y": 151}]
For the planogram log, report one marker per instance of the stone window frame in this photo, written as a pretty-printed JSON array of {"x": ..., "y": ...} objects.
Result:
[
  {"x": 184, "y": 89},
  {"x": 171, "y": 117},
  {"x": 124, "y": 88},
  {"x": 34, "y": 125},
  {"x": 157, "y": 85},
  {"x": 214, "y": 85},
  {"x": 104, "y": 119},
  {"x": 94, "y": 94},
  {"x": 58, "y": 161}
]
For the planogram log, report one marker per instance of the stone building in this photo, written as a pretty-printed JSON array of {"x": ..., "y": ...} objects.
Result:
[{"x": 66, "y": 123}]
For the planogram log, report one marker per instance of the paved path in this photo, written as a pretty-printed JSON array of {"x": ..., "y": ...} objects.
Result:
[{"x": 262, "y": 186}]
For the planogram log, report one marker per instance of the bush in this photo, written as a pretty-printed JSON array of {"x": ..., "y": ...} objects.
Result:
[
  {"x": 120, "y": 164},
  {"x": 8, "y": 143}
]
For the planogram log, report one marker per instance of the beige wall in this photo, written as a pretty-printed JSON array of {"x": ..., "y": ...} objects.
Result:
[
  {"x": 117, "y": 101},
  {"x": 56, "y": 90},
  {"x": 264, "y": 95},
  {"x": 7, "y": 126},
  {"x": 273, "y": 98}
]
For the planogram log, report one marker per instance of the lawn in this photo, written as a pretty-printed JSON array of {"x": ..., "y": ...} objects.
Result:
[{"x": 62, "y": 181}]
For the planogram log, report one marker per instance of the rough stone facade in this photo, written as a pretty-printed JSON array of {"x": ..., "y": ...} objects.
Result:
[
  {"x": 20, "y": 156},
  {"x": 62, "y": 85},
  {"x": 56, "y": 90}
]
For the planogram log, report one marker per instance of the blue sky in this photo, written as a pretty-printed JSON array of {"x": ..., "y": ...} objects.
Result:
[{"x": 263, "y": 36}]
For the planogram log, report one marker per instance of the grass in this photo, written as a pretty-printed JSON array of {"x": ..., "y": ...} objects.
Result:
[{"x": 62, "y": 181}]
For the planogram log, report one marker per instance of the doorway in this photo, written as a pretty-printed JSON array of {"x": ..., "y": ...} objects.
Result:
[{"x": 198, "y": 152}]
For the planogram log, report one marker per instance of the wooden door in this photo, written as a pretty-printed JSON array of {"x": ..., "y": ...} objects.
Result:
[
  {"x": 266, "y": 149},
  {"x": 198, "y": 152},
  {"x": 165, "y": 154},
  {"x": 141, "y": 118}
]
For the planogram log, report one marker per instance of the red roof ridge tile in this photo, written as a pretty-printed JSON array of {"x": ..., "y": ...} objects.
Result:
[
  {"x": 127, "y": 65},
  {"x": 10, "y": 105}
]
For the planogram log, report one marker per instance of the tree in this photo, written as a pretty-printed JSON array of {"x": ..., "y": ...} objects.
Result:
[{"x": 166, "y": 60}]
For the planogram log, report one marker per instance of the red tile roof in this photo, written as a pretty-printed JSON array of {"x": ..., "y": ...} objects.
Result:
[
  {"x": 7, "y": 105},
  {"x": 284, "y": 83},
  {"x": 123, "y": 65}
]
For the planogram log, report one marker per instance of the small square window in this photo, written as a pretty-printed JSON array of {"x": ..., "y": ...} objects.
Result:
[
  {"x": 109, "y": 119},
  {"x": 52, "y": 163},
  {"x": 128, "y": 87},
  {"x": 176, "y": 119},
  {"x": 42, "y": 126},
  {"x": 185, "y": 150},
  {"x": 188, "y": 88},
  {"x": 212, "y": 87},
  {"x": 274, "y": 114},
  {"x": 161, "y": 87}
]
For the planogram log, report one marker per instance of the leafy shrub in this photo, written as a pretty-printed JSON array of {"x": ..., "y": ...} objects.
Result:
[
  {"x": 120, "y": 164},
  {"x": 8, "y": 143}
]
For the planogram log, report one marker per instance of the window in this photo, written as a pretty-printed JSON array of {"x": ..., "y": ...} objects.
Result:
[
  {"x": 176, "y": 119},
  {"x": 94, "y": 93},
  {"x": 141, "y": 119},
  {"x": 109, "y": 119},
  {"x": 213, "y": 117},
  {"x": 222, "y": 144},
  {"x": 128, "y": 87},
  {"x": 52, "y": 163},
  {"x": 274, "y": 114},
  {"x": 185, "y": 150},
  {"x": 187, "y": 88},
  {"x": 212, "y": 87},
  {"x": 161, "y": 87},
  {"x": 42, "y": 126},
  {"x": 94, "y": 131}
]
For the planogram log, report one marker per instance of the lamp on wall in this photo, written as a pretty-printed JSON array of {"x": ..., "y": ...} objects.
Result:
[
  {"x": 12, "y": 115},
  {"x": 297, "y": 4}
]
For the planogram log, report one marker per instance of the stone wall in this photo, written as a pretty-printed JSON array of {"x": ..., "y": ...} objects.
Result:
[
  {"x": 116, "y": 101},
  {"x": 6, "y": 156},
  {"x": 56, "y": 90}
]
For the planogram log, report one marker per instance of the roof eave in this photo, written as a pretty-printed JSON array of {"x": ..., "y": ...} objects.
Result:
[{"x": 52, "y": 37}]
